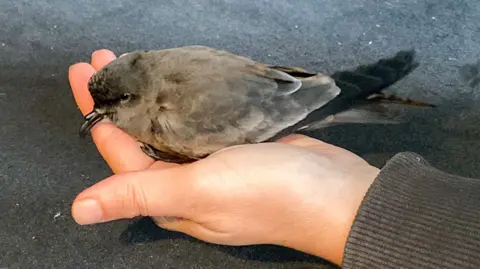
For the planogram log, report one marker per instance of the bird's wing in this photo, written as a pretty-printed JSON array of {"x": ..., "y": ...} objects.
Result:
[
  {"x": 277, "y": 97},
  {"x": 229, "y": 99},
  {"x": 241, "y": 74}
]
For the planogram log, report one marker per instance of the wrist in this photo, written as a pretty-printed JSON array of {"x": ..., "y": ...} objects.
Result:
[{"x": 324, "y": 231}]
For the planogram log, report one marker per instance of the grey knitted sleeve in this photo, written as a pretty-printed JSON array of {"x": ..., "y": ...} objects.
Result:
[{"x": 415, "y": 216}]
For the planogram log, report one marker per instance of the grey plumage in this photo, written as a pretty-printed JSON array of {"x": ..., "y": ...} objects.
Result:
[{"x": 186, "y": 103}]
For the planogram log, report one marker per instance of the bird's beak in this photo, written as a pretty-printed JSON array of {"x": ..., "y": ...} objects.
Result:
[{"x": 91, "y": 119}]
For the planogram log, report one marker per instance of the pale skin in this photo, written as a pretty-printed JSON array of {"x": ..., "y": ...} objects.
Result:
[{"x": 299, "y": 193}]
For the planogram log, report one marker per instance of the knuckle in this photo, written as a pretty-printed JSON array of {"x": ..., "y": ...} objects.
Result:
[{"x": 137, "y": 199}]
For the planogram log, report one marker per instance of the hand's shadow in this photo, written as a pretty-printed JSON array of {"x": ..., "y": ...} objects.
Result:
[{"x": 144, "y": 230}]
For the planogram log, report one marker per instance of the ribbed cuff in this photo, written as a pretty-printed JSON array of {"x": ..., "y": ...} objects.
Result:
[{"x": 415, "y": 216}]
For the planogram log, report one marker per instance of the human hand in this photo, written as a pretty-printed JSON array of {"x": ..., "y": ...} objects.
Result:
[{"x": 299, "y": 193}]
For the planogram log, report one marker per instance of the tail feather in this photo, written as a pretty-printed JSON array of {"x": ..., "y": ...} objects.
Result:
[{"x": 361, "y": 99}]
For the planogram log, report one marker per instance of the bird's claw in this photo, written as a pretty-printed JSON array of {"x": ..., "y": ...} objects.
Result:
[{"x": 158, "y": 155}]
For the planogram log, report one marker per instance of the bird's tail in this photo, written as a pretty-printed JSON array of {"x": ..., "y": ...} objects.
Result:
[{"x": 361, "y": 99}]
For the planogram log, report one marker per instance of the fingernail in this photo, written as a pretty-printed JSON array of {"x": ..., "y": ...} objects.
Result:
[
  {"x": 88, "y": 212},
  {"x": 96, "y": 52},
  {"x": 73, "y": 66}
]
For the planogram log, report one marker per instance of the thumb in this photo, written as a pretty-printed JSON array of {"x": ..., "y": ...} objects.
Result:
[{"x": 153, "y": 192}]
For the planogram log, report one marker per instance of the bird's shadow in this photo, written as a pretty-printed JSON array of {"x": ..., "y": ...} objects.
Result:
[{"x": 144, "y": 230}]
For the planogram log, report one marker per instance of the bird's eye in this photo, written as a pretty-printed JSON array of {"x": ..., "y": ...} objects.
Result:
[{"x": 125, "y": 97}]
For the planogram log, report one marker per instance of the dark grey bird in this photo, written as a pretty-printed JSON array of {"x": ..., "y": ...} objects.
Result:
[{"x": 185, "y": 103}]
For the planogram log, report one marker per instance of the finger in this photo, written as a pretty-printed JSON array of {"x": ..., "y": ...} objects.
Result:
[
  {"x": 121, "y": 152},
  {"x": 301, "y": 140},
  {"x": 102, "y": 57},
  {"x": 78, "y": 75},
  {"x": 309, "y": 142},
  {"x": 147, "y": 193},
  {"x": 318, "y": 145}
]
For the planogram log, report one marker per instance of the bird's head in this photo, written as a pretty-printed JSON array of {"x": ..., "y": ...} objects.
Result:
[{"x": 119, "y": 89}]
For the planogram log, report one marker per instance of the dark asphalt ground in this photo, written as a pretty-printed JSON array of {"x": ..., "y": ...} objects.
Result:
[{"x": 44, "y": 164}]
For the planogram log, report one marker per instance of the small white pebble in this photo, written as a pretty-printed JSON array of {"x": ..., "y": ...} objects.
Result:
[
  {"x": 3, "y": 44},
  {"x": 339, "y": 43},
  {"x": 33, "y": 237},
  {"x": 370, "y": 43},
  {"x": 57, "y": 215},
  {"x": 51, "y": 48},
  {"x": 55, "y": 26},
  {"x": 434, "y": 18},
  {"x": 296, "y": 26},
  {"x": 53, "y": 75},
  {"x": 451, "y": 58},
  {"x": 269, "y": 55},
  {"x": 17, "y": 204},
  {"x": 363, "y": 34}
]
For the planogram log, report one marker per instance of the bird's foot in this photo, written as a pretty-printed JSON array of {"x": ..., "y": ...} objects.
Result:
[{"x": 158, "y": 155}]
